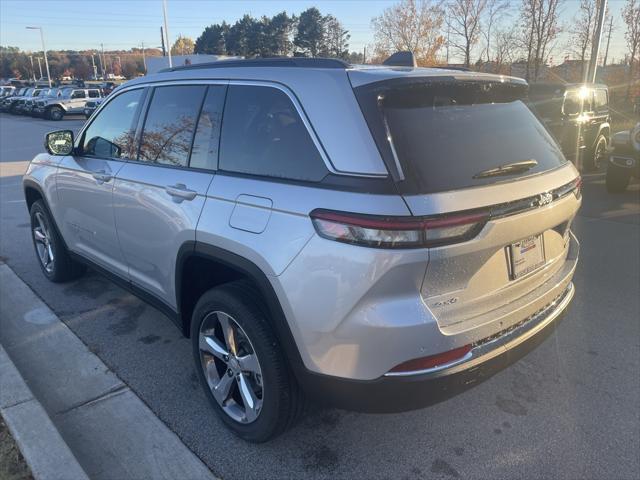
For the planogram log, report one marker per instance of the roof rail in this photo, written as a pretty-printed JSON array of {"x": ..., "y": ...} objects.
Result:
[
  {"x": 452, "y": 67},
  {"x": 300, "y": 62}
]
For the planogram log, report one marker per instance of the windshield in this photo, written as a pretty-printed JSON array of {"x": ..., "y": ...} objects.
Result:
[{"x": 450, "y": 135}]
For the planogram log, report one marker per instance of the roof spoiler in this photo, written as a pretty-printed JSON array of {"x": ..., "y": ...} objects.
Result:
[{"x": 401, "y": 59}]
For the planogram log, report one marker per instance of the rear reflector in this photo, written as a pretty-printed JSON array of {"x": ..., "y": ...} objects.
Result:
[
  {"x": 397, "y": 232},
  {"x": 432, "y": 361}
]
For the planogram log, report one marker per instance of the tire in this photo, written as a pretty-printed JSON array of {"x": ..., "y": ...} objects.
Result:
[
  {"x": 594, "y": 159},
  {"x": 55, "y": 113},
  {"x": 51, "y": 253},
  {"x": 617, "y": 179},
  {"x": 278, "y": 398}
]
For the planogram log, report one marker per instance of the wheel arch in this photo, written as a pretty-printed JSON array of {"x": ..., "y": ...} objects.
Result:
[
  {"x": 34, "y": 192},
  {"x": 604, "y": 129},
  {"x": 194, "y": 253}
]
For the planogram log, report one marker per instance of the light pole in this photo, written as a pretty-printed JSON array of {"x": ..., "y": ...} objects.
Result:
[
  {"x": 33, "y": 70},
  {"x": 39, "y": 67},
  {"x": 102, "y": 66},
  {"x": 166, "y": 30},
  {"x": 595, "y": 43},
  {"x": 44, "y": 51},
  {"x": 95, "y": 69},
  {"x": 144, "y": 60}
]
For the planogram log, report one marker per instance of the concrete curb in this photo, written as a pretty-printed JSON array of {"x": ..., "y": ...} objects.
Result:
[
  {"x": 111, "y": 432},
  {"x": 42, "y": 446}
]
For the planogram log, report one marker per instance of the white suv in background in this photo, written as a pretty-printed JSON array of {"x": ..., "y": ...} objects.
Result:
[{"x": 68, "y": 101}]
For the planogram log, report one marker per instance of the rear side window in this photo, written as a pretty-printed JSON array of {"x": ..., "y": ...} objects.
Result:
[
  {"x": 78, "y": 94},
  {"x": 204, "y": 153},
  {"x": 262, "y": 134},
  {"x": 451, "y": 135},
  {"x": 111, "y": 134},
  {"x": 94, "y": 94},
  {"x": 170, "y": 124},
  {"x": 602, "y": 101}
]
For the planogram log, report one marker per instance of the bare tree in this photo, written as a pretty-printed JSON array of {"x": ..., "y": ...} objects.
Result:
[
  {"x": 495, "y": 11},
  {"x": 506, "y": 48},
  {"x": 464, "y": 22},
  {"x": 631, "y": 17},
  {"x": 539, "y": 20},
  {"x": 582, "y": 31},
  {"x": 412, "y": 25}
]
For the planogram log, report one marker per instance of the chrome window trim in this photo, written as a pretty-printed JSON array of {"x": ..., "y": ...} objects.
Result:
[{"x": 258, "y": 83}]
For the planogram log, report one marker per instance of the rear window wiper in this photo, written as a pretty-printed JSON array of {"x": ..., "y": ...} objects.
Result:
[{"x": 508, "y": 169}]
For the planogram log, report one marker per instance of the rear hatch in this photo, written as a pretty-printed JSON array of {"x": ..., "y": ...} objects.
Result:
[{"x": 468, "y": 144}]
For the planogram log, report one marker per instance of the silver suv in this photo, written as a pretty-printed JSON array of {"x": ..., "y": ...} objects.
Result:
[
  {"x": 376, "y": 238},
  {"x": 67, "y": 101}
]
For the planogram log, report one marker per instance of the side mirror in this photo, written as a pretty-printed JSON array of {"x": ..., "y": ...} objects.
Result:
[{"x": 59, "y": 143}]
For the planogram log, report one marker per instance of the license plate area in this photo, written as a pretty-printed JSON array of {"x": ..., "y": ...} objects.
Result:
[{"x": 526, "y": 256}]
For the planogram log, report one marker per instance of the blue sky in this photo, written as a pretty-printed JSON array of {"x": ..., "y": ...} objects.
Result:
[{"x": 122, "y": 24}]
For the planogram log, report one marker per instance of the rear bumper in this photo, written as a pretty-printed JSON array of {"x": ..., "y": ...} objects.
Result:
[{"x": 416, "y": 390}]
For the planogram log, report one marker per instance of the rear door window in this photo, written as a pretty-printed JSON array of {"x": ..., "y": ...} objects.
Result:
[
  {"x": 451, "y": 135},
  {"x": 263, "y": 134},
  {"x": 170, "y": 124}
]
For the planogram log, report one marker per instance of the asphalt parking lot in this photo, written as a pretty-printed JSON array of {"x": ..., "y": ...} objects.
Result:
[{"x": 570, "y": 409}]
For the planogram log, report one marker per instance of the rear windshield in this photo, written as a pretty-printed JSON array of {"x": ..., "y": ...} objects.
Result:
[{"x": 448, "y": 135}]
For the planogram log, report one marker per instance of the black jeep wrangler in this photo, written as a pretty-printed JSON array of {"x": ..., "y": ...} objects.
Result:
[{"x": 577, "y": 115}]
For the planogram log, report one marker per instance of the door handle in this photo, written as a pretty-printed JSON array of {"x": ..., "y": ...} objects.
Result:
[
  {"x": 101, "y": 177},
  {"x": 180, "y": 192}
]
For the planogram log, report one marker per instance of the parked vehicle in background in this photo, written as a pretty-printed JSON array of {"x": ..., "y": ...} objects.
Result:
[
  {"x": 91, "y": 106},
  {"x": 578, "y": 117},
  {"x": 107, "y": 88},
  {"x": 7, "y": 91},
  {"x": 21, "y": 105},
  {"x": 377, "y": 238},
  {"x": 46, "y": 95},
  {"x": 10, "y": 104},
  {"x": 70, "y": 101},
  {"x": 623, "y": 159},
  {"x": 5, "y": 102},
  {"x": 28, "y": 106}
]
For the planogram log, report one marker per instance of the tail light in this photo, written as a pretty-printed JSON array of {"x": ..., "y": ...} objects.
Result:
[
  {"x": 397, "y": 232},
  {"x": 577, "y": 188}
]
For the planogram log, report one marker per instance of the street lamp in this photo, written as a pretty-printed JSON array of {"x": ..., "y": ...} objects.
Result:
[{"x": 44, "y": 51}]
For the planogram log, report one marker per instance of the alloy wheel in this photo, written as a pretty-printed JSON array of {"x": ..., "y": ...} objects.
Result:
[
  {"x": 42, "y": 238},
  {"x": 231, "y": 367}
]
